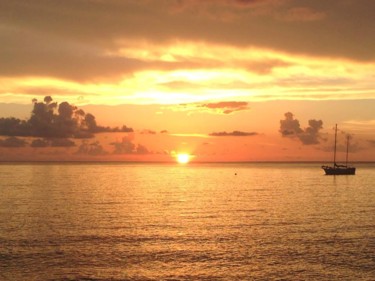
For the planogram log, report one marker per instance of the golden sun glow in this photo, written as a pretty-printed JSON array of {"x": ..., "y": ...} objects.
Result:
[{"x": 183, "y": 158}]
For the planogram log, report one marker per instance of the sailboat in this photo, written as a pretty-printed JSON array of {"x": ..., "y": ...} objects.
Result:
[{"x": 337, "y": 169}]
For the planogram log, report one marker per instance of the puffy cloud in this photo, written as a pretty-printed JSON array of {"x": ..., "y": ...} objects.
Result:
[
  {"x": 93, "y": 148},
  {"x": 233, "y": 134},
  {"x": 290, "y": 127},
  {"x": 125, "y": 146},
  {"x": 52, "y": 120},
  {"x": 12, "y": 142},
  {"x": 13, "y": 127}
]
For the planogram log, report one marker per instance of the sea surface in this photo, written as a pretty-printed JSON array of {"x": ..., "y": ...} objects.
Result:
[{"x": 118, "y": 221}]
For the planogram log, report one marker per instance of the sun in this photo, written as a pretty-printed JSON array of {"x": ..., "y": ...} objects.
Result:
[{"x": 183, "y": 158}]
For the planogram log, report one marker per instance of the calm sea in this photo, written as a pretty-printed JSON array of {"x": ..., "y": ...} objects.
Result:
[{"x": 195, "y": 222}]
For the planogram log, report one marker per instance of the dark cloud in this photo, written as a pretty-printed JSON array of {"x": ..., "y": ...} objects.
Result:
[
  {"x": 40, "y": 143},
  {"x": 292, "y": 25},
  {"x": 126, "y": 146},
  {"x": 234, "y": 134},
  {"x": 227, "y": 107},
  {"x": 54, "y": 56},
  {"x": 141, "y": 149},
  {"x": 224, "y": 107},
  {"x": 250, "y": 2},
  {"x": 12, "y": 142},
  {"x": 13, "y": 127},
  {"x": 68, "y": 63},
  {"x": 52, "y": 120},
  {"x": 290, "y": 127},
  {"x": 93, "y": 148},
  {"x": 48, "y": 55},
  {"x": 52, "y": 142},
  {"x": 148, "y": 132},
  {"x": 61, "y": 142},
  {"x": 80, "y": 40}
]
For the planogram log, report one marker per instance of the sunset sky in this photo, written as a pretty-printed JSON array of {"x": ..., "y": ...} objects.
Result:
[{"x": 221, "y": 80}]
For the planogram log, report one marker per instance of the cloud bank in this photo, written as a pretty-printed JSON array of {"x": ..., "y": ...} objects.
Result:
[
  {"x": 123, "y": 49},
  {"x": 227, "y": 107},
  {"x": 233, "y": 134},
  {"x": 290, "y": 128},
  {"x": 52, "y": 120}
]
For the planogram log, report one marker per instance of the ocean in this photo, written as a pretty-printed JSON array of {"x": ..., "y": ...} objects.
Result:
[{"x": 245, "y": 221}]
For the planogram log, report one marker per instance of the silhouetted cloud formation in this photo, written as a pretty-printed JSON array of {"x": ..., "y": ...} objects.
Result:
[
  {"x": 148, "y": 132},
  {"x": 234, "y": 133},
  {"x": 126, "y": 146},
  {"x": 52, "y": 120},
  {"x": 227, "y": 107},
  {"x": 13, "y": 127},
  {"x": 141, "y": 149},
  {"x": 94, "y": 148},
  {"x": 62, "y": 143},
  {"x": 12, "y": 142},
  {"x": 290, "y": 127},
  {"x": 40, "y": 143},
  {"x": 223, "y": 107},
  {"x": 52, "y": 142}
]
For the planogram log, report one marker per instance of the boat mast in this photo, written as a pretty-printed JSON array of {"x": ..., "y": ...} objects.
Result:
[
  {"x": 334, "y": 153},
  {"x": 347, "y": 150}
]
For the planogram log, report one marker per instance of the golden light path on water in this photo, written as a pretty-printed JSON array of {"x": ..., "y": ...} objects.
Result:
[{"x": 108, "y": 221}]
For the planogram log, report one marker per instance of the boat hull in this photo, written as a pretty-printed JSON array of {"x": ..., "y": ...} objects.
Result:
[{"x": 332, "y": 171}]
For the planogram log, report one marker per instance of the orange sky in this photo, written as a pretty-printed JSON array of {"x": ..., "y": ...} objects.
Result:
[{"x": 210, "y": 78}]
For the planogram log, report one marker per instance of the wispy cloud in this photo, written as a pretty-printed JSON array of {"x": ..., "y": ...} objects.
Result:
[
  {"x": 233, "y": 134},
  {"x": 223, "y": 107},
  {"x": 226, "y": 107},
  {"x": 193, "y": 135}
]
